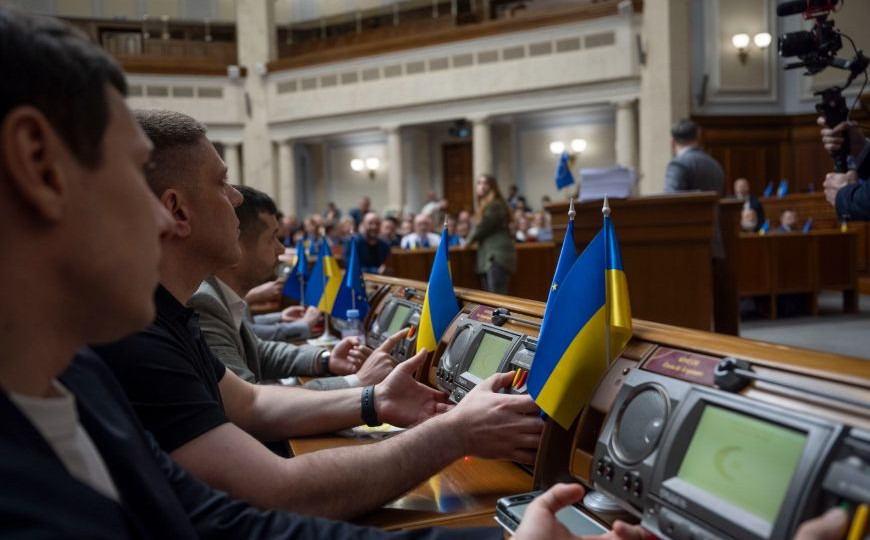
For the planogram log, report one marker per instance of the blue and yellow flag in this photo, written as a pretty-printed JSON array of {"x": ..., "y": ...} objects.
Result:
[
  {"x": 325, "y": 280},
  {"x": 564, "y": 177},
  {"x": 439, "y": 305},
  {"x": 294, "y": 287},
  {"x": 351, "y": 293},
  {"x": 587, "y": 322}
]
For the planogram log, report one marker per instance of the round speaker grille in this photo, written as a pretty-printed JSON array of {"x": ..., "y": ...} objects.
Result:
[{"x": 640, "y": 424}]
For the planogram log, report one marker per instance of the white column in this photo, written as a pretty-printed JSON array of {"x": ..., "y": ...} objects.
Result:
[
  {"x": 395, "y": 177},
  {"x": 255, "y": 36},
  {"x": 287, "y": 177},
  {"x": 626, "y": 134},
  {"x": 664, "y": 85},
  {"x": 233, "y": 163},
  {"x": 481, "y": 146}
]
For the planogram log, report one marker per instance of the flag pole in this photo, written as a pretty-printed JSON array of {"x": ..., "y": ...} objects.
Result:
[{"x": 605, "y": 211}]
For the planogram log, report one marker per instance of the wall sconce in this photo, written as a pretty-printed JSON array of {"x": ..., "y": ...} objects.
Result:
[
  {"x": 741, "y": 43},
  {"x": 578, "y": 146},
  {"x": 368, "y": 165}
]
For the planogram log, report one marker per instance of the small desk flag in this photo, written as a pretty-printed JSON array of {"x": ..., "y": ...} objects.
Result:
[
  {"x": 439, "y": 305},
  {"x": 294, "y": 287}
]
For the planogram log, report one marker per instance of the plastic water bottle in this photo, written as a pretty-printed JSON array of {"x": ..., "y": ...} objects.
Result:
[{"x": 353, "y": 326}]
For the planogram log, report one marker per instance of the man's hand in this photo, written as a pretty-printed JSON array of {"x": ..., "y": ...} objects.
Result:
[
  {"x": 540, "y": 523},
  {"x": 832, "y": 138},
  {"x": 834, "y": 182},
  {"x": 401, "y": 400},
  {"x": 499, "y": 426},
  {"x": 348, "y": 356},
  {"x": 829, "y": 526},
  {"x": 292, "y": 313},
  {"x": 312, "y": 317},
  {"x": 265, "y": 292},
  {"x": 375, "y": 369}
]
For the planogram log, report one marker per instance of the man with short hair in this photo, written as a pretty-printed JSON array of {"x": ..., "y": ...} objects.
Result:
[
  {"x": 742, "y": 192},
  {"x": 372, "y": 250},
  {"x": 422, "y": 237},
  {"x": 692, "y": 169},
  {"x": 358, "y": 213},
  {"x": 212, "y": 422},
  {"x": 225, "y": 319}
]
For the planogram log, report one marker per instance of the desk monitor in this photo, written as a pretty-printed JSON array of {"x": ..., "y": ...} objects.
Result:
[
  {"x": 488, "y": 356},
  {"x": 396, "y": 314}
]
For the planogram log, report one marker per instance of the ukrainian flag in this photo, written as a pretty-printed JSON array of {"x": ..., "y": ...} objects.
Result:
[
  {"x": 325, "y": 280},
  {"x": 587, "y": 321},
  {"x": 294, "y": 287},
  {"x": 439, "y": 305},
  {"x": 351, "y": 293}
]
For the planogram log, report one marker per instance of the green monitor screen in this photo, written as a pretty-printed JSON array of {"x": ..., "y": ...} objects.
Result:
[
  {"x": 743, "y": 460},
  {"x": 488, "y": 355},
  {"x": 399, "y": 318}
]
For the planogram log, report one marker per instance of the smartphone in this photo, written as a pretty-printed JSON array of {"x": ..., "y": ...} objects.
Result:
[{"x": 509, "y": 513}]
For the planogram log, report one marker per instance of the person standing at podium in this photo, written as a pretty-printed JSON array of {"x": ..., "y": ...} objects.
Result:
[
  {"x": 496, "y": 253},
  {"x": 692, "y": 169}
]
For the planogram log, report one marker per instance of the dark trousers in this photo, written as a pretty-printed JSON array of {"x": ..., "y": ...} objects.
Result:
[{"x": 496, "y": 279}]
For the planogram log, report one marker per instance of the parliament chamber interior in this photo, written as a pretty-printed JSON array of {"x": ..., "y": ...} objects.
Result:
[{"x": 629, "y": 212}]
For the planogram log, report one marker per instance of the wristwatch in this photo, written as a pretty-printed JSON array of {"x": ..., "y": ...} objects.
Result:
[{"x": 324, "y": 363}]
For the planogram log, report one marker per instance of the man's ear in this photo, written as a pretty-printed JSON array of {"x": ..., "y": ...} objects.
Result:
[
  {"x": 174, "y": 201},
  {"x": 33, "y": 156}
]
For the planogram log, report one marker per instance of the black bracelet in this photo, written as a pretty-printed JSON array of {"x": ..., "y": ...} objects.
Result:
[
  {"x": 324, "y": 363},
  {"x": 367, "y": 407}
]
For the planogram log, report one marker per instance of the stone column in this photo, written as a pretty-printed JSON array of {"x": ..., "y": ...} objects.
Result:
[
  {"x": 233, "y": 163},
  {"x": 395, "y": 177},
  {"x": 626, "y": 134},
  {"x": 287, "y": 177},
  {"x": 664, "y": 87},
  {"x": 255, "y": 36},
  {"x": 481, "y": 146}
]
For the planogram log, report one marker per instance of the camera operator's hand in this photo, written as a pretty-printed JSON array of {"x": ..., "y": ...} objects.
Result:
[
  {"x": 836, "y": 181},
  {"x": 832, "y": 138}
]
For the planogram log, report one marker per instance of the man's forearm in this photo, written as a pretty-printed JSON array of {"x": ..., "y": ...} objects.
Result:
[
  {"x": 369, "y": 478},
  {"x": 281, "y": 412}
]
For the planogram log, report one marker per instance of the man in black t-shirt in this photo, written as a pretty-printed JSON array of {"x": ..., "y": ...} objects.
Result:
[{"x": 212, "y": 422}]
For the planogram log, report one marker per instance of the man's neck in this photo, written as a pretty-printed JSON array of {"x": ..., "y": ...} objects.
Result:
[
  {"x": 234, "y": 282},
  {"x": 180, "y": 274}
]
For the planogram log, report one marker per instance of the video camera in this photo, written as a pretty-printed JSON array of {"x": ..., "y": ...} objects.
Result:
[{"x": 817, "y": 50}]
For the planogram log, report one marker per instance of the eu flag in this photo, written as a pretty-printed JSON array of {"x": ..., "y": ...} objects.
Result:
[
  {"x": 351, "y": 293},
  {"x": 587, "y": 319},
  {"x": 439, "y": 305},
  {"x": 564, "y": 177},
  {"x": 294, "y": 287}
]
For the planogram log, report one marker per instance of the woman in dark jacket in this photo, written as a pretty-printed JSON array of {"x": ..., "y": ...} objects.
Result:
[{"x": 496, "y": 254}]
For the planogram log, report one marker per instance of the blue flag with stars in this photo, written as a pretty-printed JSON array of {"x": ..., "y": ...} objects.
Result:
[
  {"x": 567, "y": 258},
  {"x": 352, "y": 293}
]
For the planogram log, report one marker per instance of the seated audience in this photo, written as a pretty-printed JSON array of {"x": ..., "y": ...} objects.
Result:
[
  {"x": 541, "y": 229},
  {"x": 388, "y": 231},
  {"x": 406, "y": 226},
  {"x": 522, "y": 234},
  {"x": 453, "y": 238},
  {"x": 748, "y": 220},
  {"x": 362, "y": 208},
  {"x": 225, "y": 319},
  {"x": 742, "y": 192},
  {"x": 422, "y": 237},
  {"x": 463, "y": 229},
  {"x": 372, "y": 251},
  {"x": 788, "y": 221}
]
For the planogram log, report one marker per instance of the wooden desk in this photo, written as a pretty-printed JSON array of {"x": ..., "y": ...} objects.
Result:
[
  {"x": 464, "y": 494},
  {"x": 777, "y": 264}
]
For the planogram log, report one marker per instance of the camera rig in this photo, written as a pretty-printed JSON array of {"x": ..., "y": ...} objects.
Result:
[{"x": 817, "y": 50}]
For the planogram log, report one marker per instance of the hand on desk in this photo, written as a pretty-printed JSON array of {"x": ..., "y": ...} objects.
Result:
[
  {"x": 539, "y": 521},
  {"x": 499, "y": 426},
  {"x": 265, "y": 292}
]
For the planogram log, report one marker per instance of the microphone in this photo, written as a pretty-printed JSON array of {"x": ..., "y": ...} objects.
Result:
[{"x": 793, "y": 7}]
